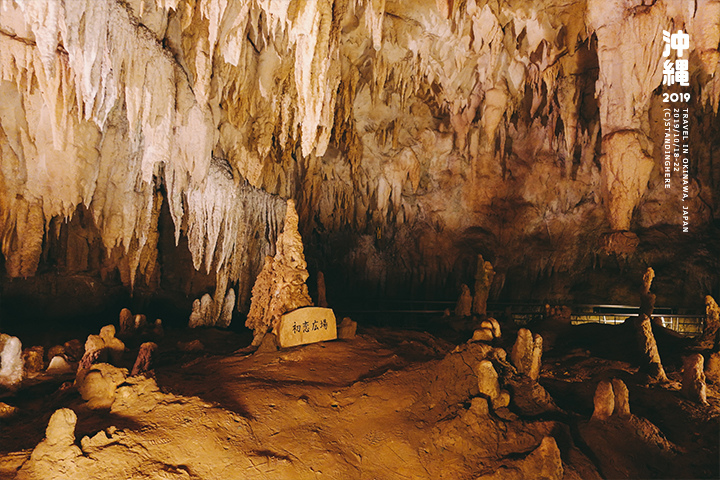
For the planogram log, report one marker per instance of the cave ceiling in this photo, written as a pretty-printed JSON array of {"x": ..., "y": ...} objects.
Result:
[{"x": 444, "y": 128}]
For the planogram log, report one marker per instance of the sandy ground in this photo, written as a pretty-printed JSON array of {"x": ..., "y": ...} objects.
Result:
[{"x": 384, "y": 405}]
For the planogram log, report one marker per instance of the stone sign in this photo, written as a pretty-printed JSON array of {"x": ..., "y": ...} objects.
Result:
[{"x": 306, "y": 325}]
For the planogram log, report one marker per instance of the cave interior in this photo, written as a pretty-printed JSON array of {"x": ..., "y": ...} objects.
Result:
[{"x": 359, "y": 239}]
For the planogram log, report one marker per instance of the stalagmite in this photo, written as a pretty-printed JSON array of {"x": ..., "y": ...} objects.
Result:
[
  {"x": 280, "y": 287},
  {"x": 11, "y": 361},
  {"x": 158, "y": 329},
  {"x": 115, "y": 346},
  {"x": 489, "y": 386},
  {"x": 693, "y": 380},
  {"x": 527, "y": 353},
  {"x": 143, "y": 362},
  {"x": 647, "y": 298},
  {"x": 482, "y": 335},
  {"x": 622, "y": 398},
  {"x": 487, "y": 379},
  {"x": 104, "y": 345},
  {"x": 712, "y": 368},
  {"x": 88, "y": 359},
  {"x": 495, "y": 326},
  {"x": 33, "y": 360},
  {"x": 709, "y": 337},
  {"x": 199, "y": 311},
  {"x": 57, "y": 452},
  {"x": 463, "y": 307},
  {"x": 347, "y": 328},
  {"x": 648, "y": 349},
  {"x": 322, "y": 294},
  {"x": 604, "y": 401},
  {"x": 228, "y": 306},
  {"x": 489, "y": 329},
  {"x": 127, "y": 323},
  {"x": 611, "y": 398},
  {"x": 483, "y": 281},
  {"x": 59, "y": 366},
  {"x": 95, "y": 343},
  {"x": 139, "y": 322}
]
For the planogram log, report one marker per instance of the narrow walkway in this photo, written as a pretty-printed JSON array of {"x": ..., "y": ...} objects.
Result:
[{"x": 418, "y": 314}]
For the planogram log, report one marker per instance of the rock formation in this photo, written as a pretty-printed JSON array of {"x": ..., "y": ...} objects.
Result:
[
  {"x": 542, "y": 463},
  {"x": 611, "y": 398},
  {"x": 59, "y": 366},
  {"x": 127, "y": 322},
  {"x": 11, "y": 360},
  {"x": 709, "y": 337},
  {"x": 321, "y": 289},
  {"x": 482, "y": 335},
  {"x": 106, "y": 345},
  {"x": 139, "y": 322},
  {"x": 143, "y": 362},
  {"x": 73, "y": 350},
  {"x": 489, "y": 330},
  {"x": 647, "y": 298},
  {"x": 712, "y": 368},
  {"x": 250, "y": 103},
  {"x": 489, "y": 386},
  {"x": 55, "y": 351},
  {"x": 97, "y": 384},
  {"x": 347, "y": 329},
  {"x": 158, "y": 329},
  {"x": 527, "y": 353},
  {"x": 201, "y": 312},
  {"x": 151, "y": 145},
  {"x": 463, "y": 307},
  {"x": 648, "y": 349},
  {"x": 269, "y": 343},
  {"x": 280, "y": 287},
  {"x": 225, "y": 317},
  {"x": 693, "y": 380},
  {"x": 483, "y": 281},
  {"x": 206, "y": 312},
  {"x": 7, "y": 411},
  {"x": 57, "y": 454},
  {"x": 604, "y": 401},
  {"x": 622, "y": 398},
  {"x": 88, "y": 359},
  {"x": 613, "y": 428},
  {"x": 33, "y": 361}
]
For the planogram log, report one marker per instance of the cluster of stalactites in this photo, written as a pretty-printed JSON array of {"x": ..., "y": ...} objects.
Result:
[
  {"x": 119, "y": 98},
  {"x": 96, "y": 112}
]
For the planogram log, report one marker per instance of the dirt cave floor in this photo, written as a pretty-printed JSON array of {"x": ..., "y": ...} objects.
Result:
[{"x": 386, "y": 404}]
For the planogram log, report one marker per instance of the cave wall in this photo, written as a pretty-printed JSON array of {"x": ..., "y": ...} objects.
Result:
[{"x": 413, "y": 135}]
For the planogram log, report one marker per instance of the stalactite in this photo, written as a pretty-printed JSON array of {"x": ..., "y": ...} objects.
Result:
[{"x": 364, "y": 111}]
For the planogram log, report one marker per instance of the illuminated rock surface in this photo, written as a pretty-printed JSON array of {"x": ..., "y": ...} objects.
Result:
[
  {"x": 540, "y": 124},
  {"x": 199, "y": 160}
]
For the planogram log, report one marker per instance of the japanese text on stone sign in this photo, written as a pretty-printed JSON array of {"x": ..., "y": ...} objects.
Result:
[{"x": 313, "y": 326}]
